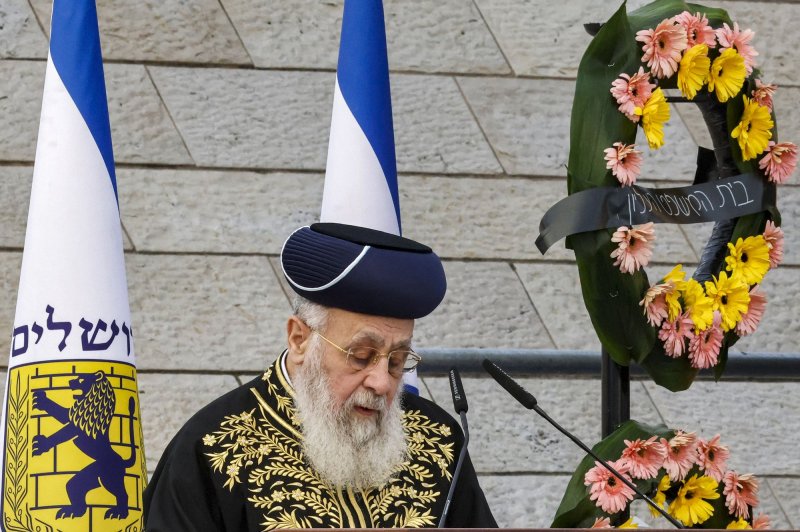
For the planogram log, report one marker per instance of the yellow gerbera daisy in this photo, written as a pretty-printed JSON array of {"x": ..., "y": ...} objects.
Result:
[
  {"x": 676, "y": 275},
  {"x": 740, "y": 524},
  {"x": 699, "y": 305},
  {"x": 629, "y": 524},
  {"x": 654, "y": 114},
  {"x": 730, "y": 296},
  {"x": 661, "y": 494},
  {"x": 693, "y": 72},
  {"x": 749, "y": 258},
  {"x": 672, "y": 297},
  {"x": 690, "y": 506},
  {"x": 727, "y": 75},
  {"x": 754, "y": 130}
]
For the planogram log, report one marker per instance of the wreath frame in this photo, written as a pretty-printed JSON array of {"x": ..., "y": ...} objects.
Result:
[{"x": 611, "y": 297}]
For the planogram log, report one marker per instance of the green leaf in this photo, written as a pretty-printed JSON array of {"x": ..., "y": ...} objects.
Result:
[
  {"x": 674, "y": 374},
  {"x": 612, "y": 52},
  {"x": 576, "y": 509},
  {"x": 612, "y": 299}
]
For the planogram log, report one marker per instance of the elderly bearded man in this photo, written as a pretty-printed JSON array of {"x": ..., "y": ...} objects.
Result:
[{"x": 325, "y": 437}]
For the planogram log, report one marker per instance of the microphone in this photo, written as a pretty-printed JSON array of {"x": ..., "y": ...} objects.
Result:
[
  {"x": 461, "y": 407},
  {"x": 459, "y": 399},
  {"x": 529, "y": 401}
]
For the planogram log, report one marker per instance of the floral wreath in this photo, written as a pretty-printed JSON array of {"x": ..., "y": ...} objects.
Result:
[
  {"x": 677, "y": 326},
  {"x": 684, "y": 474}
]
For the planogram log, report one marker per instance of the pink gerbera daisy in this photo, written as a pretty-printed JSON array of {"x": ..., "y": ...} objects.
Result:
[
  {"x": 612, "y": 495},
  {"x": 697, "y": 29},
  {"x": 740, "y": 492},
  {"x": 625, "y": 162},
  {"x": 602, "y": 522},
  {"x": 681, "y": 454},
  {"x": 632, "y": 92},
  {"x": 634, "y": 247},
  {"x": 655, "y": 306},
  {"x": 762, "y": 522},
  {"x": 755, "y": 309},
  {"x": 711, "y": 457},
  {"x": 643, "y": 458},
  {"x": 763, "y": 94},
  {"x": 740, "y": 41},
  {"x": 774, "y": 237},
  {"x": 675, "y": 333},
  {"x": 779, "y": 162},
  {"x": 704, "y": 345},
  {"x": 662, "y": 47}
]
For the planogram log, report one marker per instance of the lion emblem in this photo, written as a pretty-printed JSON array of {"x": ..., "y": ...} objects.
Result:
[{"x": 86, "y": 422}]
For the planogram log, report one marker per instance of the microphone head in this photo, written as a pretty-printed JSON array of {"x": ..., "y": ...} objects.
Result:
[
  {"x": 504, "y": 379},
  {"x": 457, "y": 390}
]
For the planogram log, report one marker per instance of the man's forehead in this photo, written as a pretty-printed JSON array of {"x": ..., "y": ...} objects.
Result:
[{"x": 377, "y": 329}]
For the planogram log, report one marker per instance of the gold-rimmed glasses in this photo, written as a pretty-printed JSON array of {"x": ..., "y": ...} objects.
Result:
[{"x": 363, "y": 357}]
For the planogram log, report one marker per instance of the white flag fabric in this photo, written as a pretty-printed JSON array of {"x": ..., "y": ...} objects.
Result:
[{"x": 73, "y": 455}]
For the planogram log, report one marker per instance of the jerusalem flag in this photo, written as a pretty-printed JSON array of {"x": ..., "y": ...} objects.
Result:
[
  {"x": 361, "y": 172},
  {"x": 72, "y": 452}
]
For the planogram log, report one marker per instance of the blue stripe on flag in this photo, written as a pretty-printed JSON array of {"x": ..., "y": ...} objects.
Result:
[
  {"x": 363, "y": 75},
  {"x": 75, "y": 50}
]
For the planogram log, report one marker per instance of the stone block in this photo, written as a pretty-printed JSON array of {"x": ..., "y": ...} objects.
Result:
[
  {"x": 217, "y": 313},
  {"x": 545, "y": 40},
  {"x": 485, "y": 306},
  {"x": 141, "y": 129},
  {"x": 779, "y": 330},
  {"x": 506, "y": 438},
  {"x": 224, "y": 125},
  {"x": 245, "y": 118},
  {"x": 10, "y": 262},
  {"x": 15, "y": 195},
  {"x": 787, "y": 494},
  {"x": 524, "y": 501},
  {"x": 429, "y": 36},
  {"x": 434, "y": 129},
  {"x": 787, "y": 116},
  {"x": 158, "y": 31},
  {"x": 676, "y": 161},
  {"x": 789, "y": 206},
  {"x": 746, "y": 414},
  {"x": 216, "y": 211},
  {"x": 21, "y": 85},
  {"x": 527, "y": 122},
  {"x": 168, "y": 400},
  {"x": 20, "y": 34},
  {"x": 556, "y": 293},
  {"x": 776, "y": 37},
  {"x": 466, "y": 217}
]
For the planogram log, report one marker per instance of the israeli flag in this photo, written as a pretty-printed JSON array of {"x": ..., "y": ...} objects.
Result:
[
  {"x": 72, "y": 449},
  {"x": 361, "y": 172}
]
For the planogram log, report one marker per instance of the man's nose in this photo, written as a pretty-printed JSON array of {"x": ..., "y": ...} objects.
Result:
[{"x": 378, "y": 379}]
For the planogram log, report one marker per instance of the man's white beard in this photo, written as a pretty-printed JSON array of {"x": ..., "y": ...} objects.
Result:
[{"x": 345, "y": 449}]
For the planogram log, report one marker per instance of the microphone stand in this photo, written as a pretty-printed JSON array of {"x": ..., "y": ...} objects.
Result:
[
  {"x": 460, "y": 404},
  {"x": 529, "y": 401}
]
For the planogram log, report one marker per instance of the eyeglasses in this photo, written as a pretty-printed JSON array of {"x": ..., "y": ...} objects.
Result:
[{"x": 362, "y": 357}]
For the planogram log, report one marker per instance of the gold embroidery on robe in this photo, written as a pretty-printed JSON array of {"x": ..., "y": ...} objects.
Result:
[{"x": 261, "y": 448}]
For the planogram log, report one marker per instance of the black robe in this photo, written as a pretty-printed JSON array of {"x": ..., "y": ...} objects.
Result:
[{"x": 238, "y": 465}]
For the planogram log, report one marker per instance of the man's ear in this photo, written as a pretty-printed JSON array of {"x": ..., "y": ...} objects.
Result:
[{"x": 297, "y": 337}]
